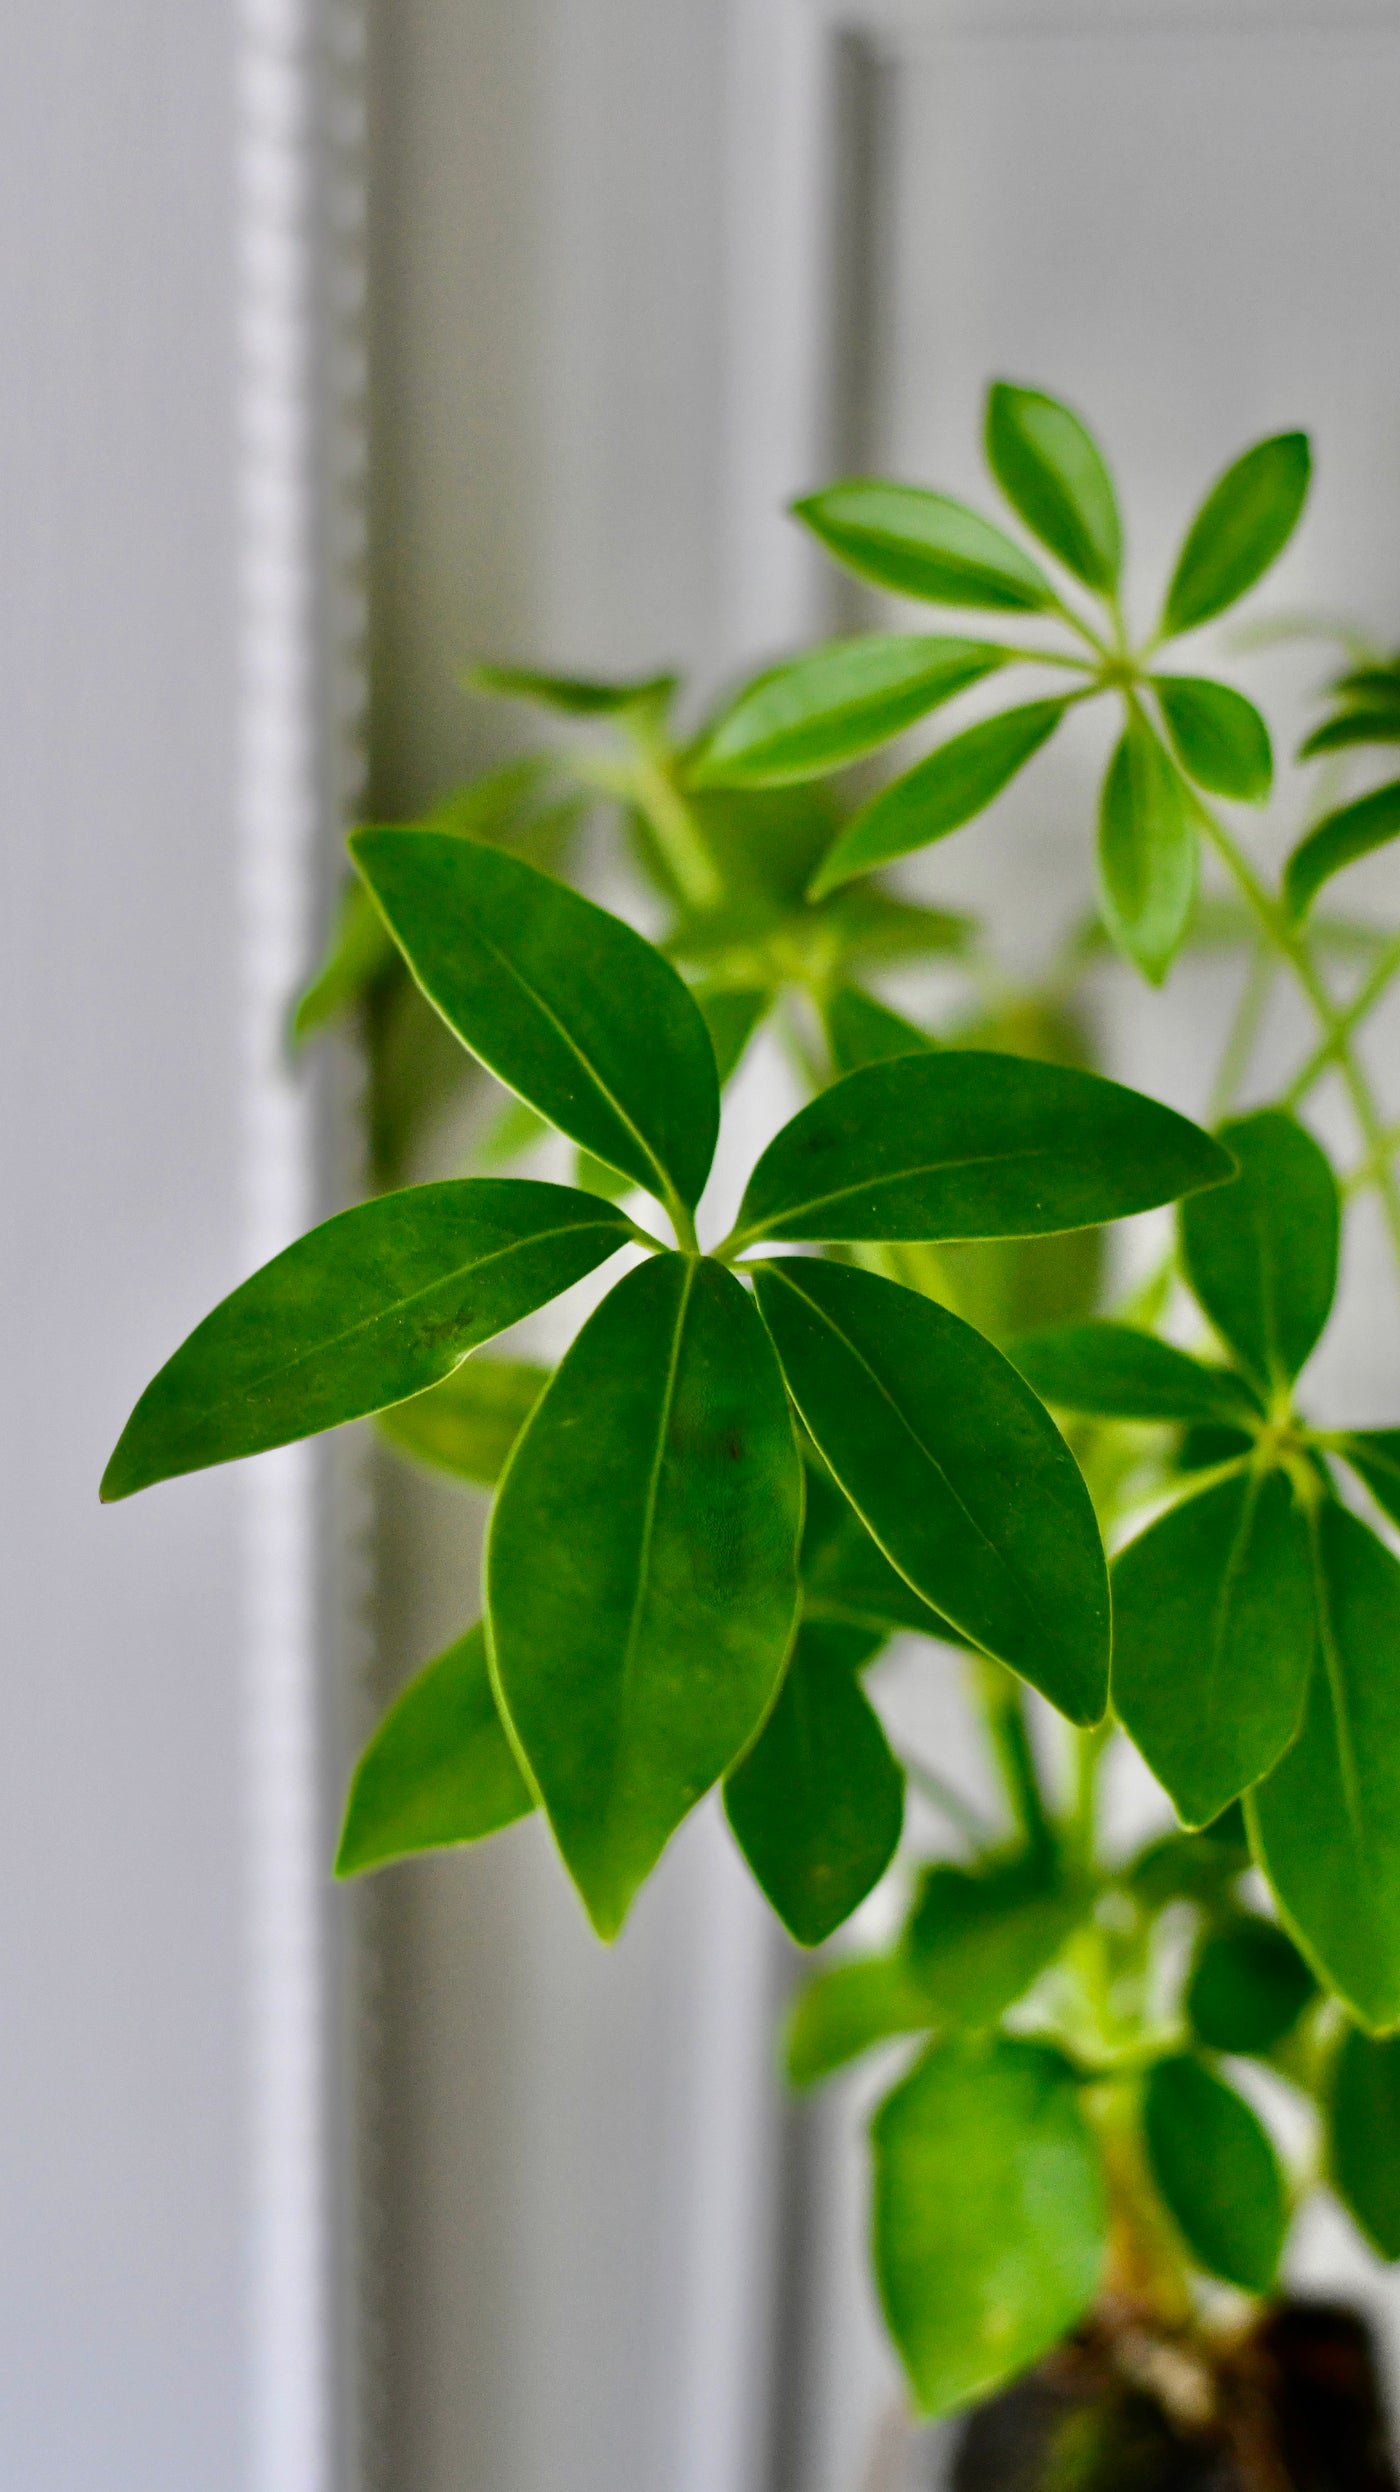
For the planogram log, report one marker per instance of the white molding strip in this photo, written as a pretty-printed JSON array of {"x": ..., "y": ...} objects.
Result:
[
  {"x": 301, "y": 435},
  {"x": 909, "y": 20}
]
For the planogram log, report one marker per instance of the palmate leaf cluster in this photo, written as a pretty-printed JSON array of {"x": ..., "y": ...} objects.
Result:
[{"x": 885, "y": 1404}]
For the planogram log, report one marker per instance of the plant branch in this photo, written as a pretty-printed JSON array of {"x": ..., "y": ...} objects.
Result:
[{"x": 1349, "y": 1016}]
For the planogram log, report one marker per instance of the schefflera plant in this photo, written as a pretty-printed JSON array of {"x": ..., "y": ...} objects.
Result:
[
  {"x": 642, "y": 1635},
  {"x": 761, "y": 1461}
]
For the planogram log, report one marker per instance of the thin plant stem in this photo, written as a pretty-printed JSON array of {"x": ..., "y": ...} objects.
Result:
[
  {"x": 1292, "y": 948},
  {"x": 949, "y": 1802},
  {"x": 1004, "y": 1714},
  {"x": 1349, "y": 1015},
  {"x": 1244, "y": 1030}
]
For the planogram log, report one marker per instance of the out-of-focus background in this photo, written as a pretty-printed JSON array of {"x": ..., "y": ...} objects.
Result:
[{"x": 342, "y": 349}]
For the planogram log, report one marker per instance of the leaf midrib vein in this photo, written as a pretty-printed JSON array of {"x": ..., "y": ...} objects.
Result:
[{"x": 896, "y": 1176}]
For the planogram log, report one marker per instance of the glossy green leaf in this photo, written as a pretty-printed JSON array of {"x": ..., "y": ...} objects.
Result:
[
  {"x": 953, "y": 1466},
  {"x": 1112, "y": 1371},
  {"x": 641, "y": 1568},
  {"x": 1352, "y": 727},
  {"x": 373, "y": 1306},
  {"x": 1217, "y": 736},
  {"x": 1261, "y": 1253},
  {"x": 1213, "y": 1638},
  {"x": 1148, "y": 851},
  {"x": 1374, "y": 1454},
  {"x": 860, "y": 1030},
  {"x": 1053, "y": 473},
  {"x": 990, "y": 2222},
  {"x": 1326, "y": 1824},
  {"x": 839, "y": 2014},
  {"x": 966, "y": 1143},
  {"x": 1216, "y": 2168},
  {"x": 573, "y": 696},
  {"x": 731, "y": 1016},
  {"x": 1248, "y": 1986},
  {"x": 439, "y": 1769},
  {"x": 563, "y": 1002},
  {"x": 847, "y": 1581},
  {"x": 978, "y": 1938},
  {"x": 834, "y": 703},
  {"x": 956, "y": 781},
  {"x": 817, "y": 1804},
  {"x": 1340, "y": 839},
  {"x": 1364, "y": 2136},
  {"x": 924, "y": 545},
  {"x": 1241, "y": 528},
  {"x": 467, "y": 1424}
]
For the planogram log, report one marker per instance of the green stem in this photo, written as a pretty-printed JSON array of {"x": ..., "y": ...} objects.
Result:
[
  {"x": 949, "y": 1803},
  {"x": 1004, "y": 1714},
  {"x": 1244, "y": 1030},
  {"x": 683, "y": 1224},
  {"x": 677, "y": 833},
  {"x": 1366, "y": 1171},
  {"x": 1290, "y": 946},
  {"x": 1348, "y": 1016},
  {"x": 1083, "y": 1822}
]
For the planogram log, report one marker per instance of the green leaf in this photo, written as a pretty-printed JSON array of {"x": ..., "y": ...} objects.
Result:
[
  {"x": 956, "y": 781},
  {"x": 1216, "y": 2168},
  {"x": 1364, "y": 2137},
  {"x": 1212, "y": 1639},
  {"x": 1326, "y": 1825},
  {"x": 839, "y": 2014},
  {"x": 1217, "y": 736},
  {"x": 1261, "y": 1254},
  {"x": 1053, "y": 473},
  {"x": 360, "y": 950},
  {"x": 1248, "y": 1987},
  {"x": 860, "y": 1030},
  {"x": 967, "y": 1143},
  {"x": 467, "y": 1424},
  {"x": 1340, "y": 838},
  {"x": 848, "y": 1582},
  {"x": 731, "y": 1015},
  {"x": 562, "y": 1002},
  {"x": 829, "y": 706},
  {"x": 954, "y": 1468},
  {"x": 1204, "y": 1867},
  {"x": 574, "y": 696},
  {"x": 978, "y": 1938},
  {"x": 923, "y": 545},
  {"x": 1112, "y": 1371},
  {"x": 817, "y": 1804},
  {"x": 990, "y": 2222},
  {"x": 1374, "y": 1454},
  {"x": 439, "y": 1769},
  {"x": 1352, "y": 727},
  {"x": 1148, "y": 851},
  {"x": 1241, "y": 527},
  {"x": 641, "y": 1568},
  {"x": 373, "y": 1306}
]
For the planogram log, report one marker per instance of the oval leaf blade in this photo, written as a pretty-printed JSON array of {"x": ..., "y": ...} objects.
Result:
[
  {"x": 861, "y": 1030},
  {"x": 1217, "y": 736},
  {"x": 1148, "y": 853},
  {"x": 373, "y": 1306},
  {"x": 954, "y": 1468},
  {"x": 1212, "y": 1640},
  {"x": 939, "y": 794},
  {"x": 467, "y": 1424},
  {"x": 1249, "y": 1986},
  {"x": 1112, "y": 1371},
  {"x": 818, "y": 1803},
  {"x": 978, "y": 1938},
  {"x": 1241, "y": 527},
  {"x": 641, "y": 1568},
  {"x": 1217, "y": 2170},
  {"x": 968, "y": 1143},
  {"x": 439, "y": 1769},
  {"x": 1353, "y": 831},
  {"x": 1326, "y": 1825},
  {"x": 1261, "y": 1254},
  {"x": 563, "y": 1002},
  {"x": 1364, "y": 2136},
  {"x": 839, "y": 2014},
  {"x": 830, "y": 706},
  {"x": 923, "y": 545},
  {"x": 573, "y": 696},
  {"x": 990, "y": 2222},
  {"x": 1053, "y": 473}
]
